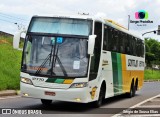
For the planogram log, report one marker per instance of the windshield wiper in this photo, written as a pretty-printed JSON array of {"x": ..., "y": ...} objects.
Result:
[
  {"x": 44, "y": 62},
  {"x": 59, "y": 62}
]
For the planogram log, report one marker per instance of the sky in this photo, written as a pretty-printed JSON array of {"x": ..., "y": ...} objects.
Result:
[{"x": 21, "y": 11}]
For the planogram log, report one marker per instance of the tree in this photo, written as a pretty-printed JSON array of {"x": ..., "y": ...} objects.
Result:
[{"x": 152, "y": 48}]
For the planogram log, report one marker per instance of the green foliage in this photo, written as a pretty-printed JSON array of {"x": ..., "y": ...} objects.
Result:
[
  {"x": 147, "y": 48},
  {"x": 10, "y": 60},
  {"x": 150, "y": 41},
  {"x": 152, "y": 51},
  {"x": 151, "y": 74},
  {"x": 149, "y": 58}
]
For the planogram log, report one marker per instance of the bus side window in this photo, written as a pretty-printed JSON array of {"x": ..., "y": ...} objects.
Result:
[
  {"x": 138, "y": 48},
  {"x": 114, "y": 41},
  {"x": 121, "y": 42},
  {"x": 127, "y": 46},
  {"x": 110, "y": 38},
  {"x": 134, "y": 45},
  {"x": 141, "y": 48},
  {"x": 123, "y": 45},
  {"x": 130, "y": 45},
  {"x": 105, "y": 39}
]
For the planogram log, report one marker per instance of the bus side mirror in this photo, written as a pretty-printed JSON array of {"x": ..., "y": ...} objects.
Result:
[
  {"x": 16, "y": 40},
  {"x": 91, "y": 43}
]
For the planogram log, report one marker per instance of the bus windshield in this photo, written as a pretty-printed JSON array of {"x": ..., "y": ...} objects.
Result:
[
  {"x": 60, "y": 26},
  {"x": 55, "y": 56}
]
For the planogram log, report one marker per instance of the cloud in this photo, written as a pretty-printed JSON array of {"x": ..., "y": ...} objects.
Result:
[
  {"x": 117, "y": 10},
  {"x": 101, "y": 14}
]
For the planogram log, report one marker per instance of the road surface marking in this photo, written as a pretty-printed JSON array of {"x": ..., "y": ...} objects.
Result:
[
  {"x": 138, "y": 105},
  {"x": 145, "y": 101}
]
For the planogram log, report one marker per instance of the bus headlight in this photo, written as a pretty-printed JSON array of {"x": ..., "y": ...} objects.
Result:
[
  {"x": 79, "y": 85},
  {"x": 26, "y": 80}
]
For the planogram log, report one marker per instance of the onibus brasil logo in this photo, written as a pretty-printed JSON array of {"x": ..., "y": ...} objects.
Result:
[{"x": 142, "y": 18}]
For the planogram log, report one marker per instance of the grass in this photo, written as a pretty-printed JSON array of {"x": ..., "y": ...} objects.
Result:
[
  {"x": 10, "y": 60},
  {"x": 151, "y": 74}
]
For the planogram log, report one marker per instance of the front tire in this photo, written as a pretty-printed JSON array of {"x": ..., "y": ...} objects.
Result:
[
  {"x": 101, "y": 97},
  {"x": 46, "y": 102}
]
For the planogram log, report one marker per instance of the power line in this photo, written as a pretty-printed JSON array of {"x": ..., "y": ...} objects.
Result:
[
  {"x": 12, "y": 17},
  {"x": 7, "y": 21},
  {"x": 19, "y": 25}
]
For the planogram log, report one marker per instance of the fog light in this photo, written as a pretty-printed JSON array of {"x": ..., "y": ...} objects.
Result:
[
  {"x": 25, "y": 94},
  {"x": 78, "y": 100}
]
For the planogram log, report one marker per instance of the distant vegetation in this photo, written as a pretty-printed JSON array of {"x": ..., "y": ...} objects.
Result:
[
  {"x": 151, "y": 74},
  {"x": 10, "y": 60},
  {"x": 152, "y": 47}
]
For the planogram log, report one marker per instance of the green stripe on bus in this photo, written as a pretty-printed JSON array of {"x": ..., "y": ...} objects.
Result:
[
  {"x": 52, "y": 80},
  {"x": 55, "y": 80},
  {"x": 119, "y": 64},
  {"x": 115, "y": 72},
  {"x": 60, "y": 81}
]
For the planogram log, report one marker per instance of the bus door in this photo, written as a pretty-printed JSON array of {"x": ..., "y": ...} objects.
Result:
[{"x": 95, "y": 59}]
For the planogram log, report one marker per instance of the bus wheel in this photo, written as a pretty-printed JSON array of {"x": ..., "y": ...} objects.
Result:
[
  {"x": 46, "y": 102},
  {"x": 132, "y": 91},
  {"x": 99, "y": 102}
]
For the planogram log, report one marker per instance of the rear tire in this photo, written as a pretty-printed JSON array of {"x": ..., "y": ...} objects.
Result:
[
  {"x": 132, "y": 91},
  {"x": 136, "y": 85},
  {"x": 101, "y": 97},
  {"x": 46, "y": 102}
]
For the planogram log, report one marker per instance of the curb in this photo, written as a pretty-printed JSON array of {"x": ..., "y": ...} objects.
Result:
[
  {"x": 8, "y": 93},
  {"x": 152, "y": 80}
]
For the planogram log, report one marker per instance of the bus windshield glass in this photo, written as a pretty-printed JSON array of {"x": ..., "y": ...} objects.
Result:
[
  {"x": 55, "y": 56},
  {"x": 60, "y": 26}
]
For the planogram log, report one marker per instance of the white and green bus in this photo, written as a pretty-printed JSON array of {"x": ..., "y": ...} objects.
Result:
[{"x": 79, "y": 59}]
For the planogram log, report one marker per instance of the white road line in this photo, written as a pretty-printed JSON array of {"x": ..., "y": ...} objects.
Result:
[
  {"x": 137, "y": 105},
  {"x": 9, "y": 97},
  {"x": 145, "y": 101},
  {"x": 155, "y": 100},
  {"x": 150, "y": 106}
]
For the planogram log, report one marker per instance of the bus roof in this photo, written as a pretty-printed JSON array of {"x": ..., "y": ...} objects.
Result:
[{"x": 103, "y": 20}]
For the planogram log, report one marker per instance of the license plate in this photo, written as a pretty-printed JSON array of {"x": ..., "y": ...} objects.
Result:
[{"x": 50, "y": 93}]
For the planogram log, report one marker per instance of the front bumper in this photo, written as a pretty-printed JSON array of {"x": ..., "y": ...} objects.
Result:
[{"x": 71, "y": 94}]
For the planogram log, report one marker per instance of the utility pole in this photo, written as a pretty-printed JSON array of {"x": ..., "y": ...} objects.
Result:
[
  {"x": 128, "y": 21},
  {"x": 158, "y": 32}
]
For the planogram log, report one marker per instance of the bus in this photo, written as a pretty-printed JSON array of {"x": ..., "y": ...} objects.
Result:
[{"x": 79, "y": 59}]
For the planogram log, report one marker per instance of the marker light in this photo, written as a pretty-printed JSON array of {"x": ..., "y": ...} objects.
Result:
[
  {"x": 25, "y": 94},
  {"x": 79, "y": 85},
  {"x": 26, "y": 80},
  {"x": 78, "y": 100}
]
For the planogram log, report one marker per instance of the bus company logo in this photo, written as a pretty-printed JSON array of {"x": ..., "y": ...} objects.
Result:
[
  {"x": 141, "y": 14},
  {"x": 141, "y": 17}
]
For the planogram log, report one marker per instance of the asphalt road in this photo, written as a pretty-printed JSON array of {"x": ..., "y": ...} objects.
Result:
[{"x": 110, "y": 107}]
